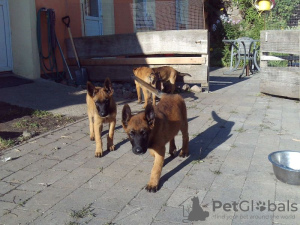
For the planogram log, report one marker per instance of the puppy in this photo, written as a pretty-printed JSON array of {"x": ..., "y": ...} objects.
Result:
[
  {"x": 154, "y": 128},
  {"x": 101, "y": 108},
  {"x": 167, "y": 73},
  {"x": 147, "y": 75}
]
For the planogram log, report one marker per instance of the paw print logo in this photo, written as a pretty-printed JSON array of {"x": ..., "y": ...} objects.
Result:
[{"x": 261, "y": 206}]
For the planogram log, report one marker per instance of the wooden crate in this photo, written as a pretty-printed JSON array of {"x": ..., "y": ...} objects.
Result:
[
  {"x": 115, "y": 56},
  {"x": 280, "y": 81}
]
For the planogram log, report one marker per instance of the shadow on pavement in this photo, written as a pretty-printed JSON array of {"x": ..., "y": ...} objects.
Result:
[{"x": 199, "y": 145}]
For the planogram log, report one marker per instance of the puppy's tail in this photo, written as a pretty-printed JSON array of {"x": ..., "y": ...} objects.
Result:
[
  {"x": 153, "y": 90},
  {"x": 184, "y": 74}
]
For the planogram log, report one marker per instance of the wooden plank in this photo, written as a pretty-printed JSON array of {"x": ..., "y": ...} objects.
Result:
[
  {"x": 280, "y": 41},
  {"x": 139, "y": 61},
  {"x": 280, "y": 81},
  {"x": 141, "y": 43},
  {"x": 123, "y": 73}
]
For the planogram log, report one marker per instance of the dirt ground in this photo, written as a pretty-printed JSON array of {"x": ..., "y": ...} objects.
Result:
[{"x": 19, "y": 124}]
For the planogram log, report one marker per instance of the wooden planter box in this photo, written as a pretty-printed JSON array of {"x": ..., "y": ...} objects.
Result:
[{"x": 280, "y": 81}]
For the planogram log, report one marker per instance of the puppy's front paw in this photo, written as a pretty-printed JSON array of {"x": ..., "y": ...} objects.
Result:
[
  {"x": 92, "y": 138},
  {"x": 151, "y": 188},
  {"x": 183, "y": 154},
  {"x": 111, "y": 147},
  {"x": 98, "y": 154},
  {"x": 172, "y": 152}
]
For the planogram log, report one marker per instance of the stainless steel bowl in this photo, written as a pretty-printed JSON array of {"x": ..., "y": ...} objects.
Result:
[{"x": 286, "y": 166}]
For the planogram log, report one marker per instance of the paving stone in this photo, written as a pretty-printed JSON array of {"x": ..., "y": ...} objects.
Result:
[
  {"x": 42, "y": 165},
  {"x": 54, "y": 217},
  {"x": 76, "y": 178},
  {"x": 172, "y": 215},
  {"x": 181, "y": 195},
  {"x": 285, "y": 215},
  {"x": 48, "y": 177},
  {"x": 287, "y": 192},
  {"x": 21, "y": 177},
  {"x": 65, "y": 152},
  {"x": 101, "y": 183},
  {"x": 17, "y": 196},
  {"x": 117, "y": 169},
  {"x": 136, "y": 215},
  {"x": 7, "y": 187},
  {"x": 46, "y": 199},
  {"x": 67, "y": 165},
  {"x": 150, "y": 200},
  {"x": 20, "y": 162},
  {"x": 19, "y": 216},
  {"x": 253, "y": 217},
  {"x": 79, "y": 199},
  {"x": 102, "y": 216},
  {"x": 98, "y": 163},
  {"x": 5, "y": 173},
  {"x": 116, "y": 198},
  {"x": 6, "y": 207}
]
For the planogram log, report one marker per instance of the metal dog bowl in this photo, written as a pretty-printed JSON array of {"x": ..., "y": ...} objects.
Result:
[{"x": 286, "y": 166}]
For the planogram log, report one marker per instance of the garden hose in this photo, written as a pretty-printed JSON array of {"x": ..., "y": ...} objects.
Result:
[{"x": 51, "y": 42}]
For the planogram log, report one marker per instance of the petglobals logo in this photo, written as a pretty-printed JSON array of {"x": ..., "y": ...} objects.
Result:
[{"x": 246, "y": 206}]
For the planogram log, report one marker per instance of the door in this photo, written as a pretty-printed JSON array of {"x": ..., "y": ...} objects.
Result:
[
  {"x": 5, "y": 38},
  {"x": 93, "y": 18}
]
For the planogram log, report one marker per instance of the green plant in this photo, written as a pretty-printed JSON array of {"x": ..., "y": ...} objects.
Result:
[
  {"x": 222, "y": 26},
  {"x": 40, "y": 113},
  {"x": 84, "y": 212},
  {"x": 6, "y": 143}
]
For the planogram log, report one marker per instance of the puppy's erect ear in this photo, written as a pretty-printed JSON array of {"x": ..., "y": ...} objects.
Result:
[
  {"x": 150, "y": 115},
  {"x": 126, "y": 115},
  {"x": 90, "y": 89},
  {"x": 107, "y": 86}
]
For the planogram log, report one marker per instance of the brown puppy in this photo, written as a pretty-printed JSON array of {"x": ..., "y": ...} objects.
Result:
[
  {"x": 154, "y": 128},
  {"x": 101, "y": 109},
  {"x": 167, "y": 73},
  {"x": 147, "y": 75}
]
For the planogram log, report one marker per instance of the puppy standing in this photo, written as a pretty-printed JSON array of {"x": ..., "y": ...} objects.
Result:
[
  {"x": 168, "y": 73},
  {"x": 101, "y": 109},
  {"x": 147, "y": 75},
  {"x": 154, "y": 128}
]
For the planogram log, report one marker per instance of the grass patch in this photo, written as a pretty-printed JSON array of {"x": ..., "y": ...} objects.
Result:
[
  {"x": 40, "y": 113},
  {"x": 241, "y": 130},
  {"x": 84, "y": 212},
  {"x": 263, "y": 126},
  {"x": 6, "y": 143},
  {"x": 217, "y": 172},
  {"x": 197, "y": 161}
]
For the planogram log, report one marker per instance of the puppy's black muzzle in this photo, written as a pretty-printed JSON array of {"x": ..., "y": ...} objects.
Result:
[{"x": 102, "y": 108}]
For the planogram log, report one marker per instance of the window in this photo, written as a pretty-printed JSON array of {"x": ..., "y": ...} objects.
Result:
[{"x": 144, "y": 15}]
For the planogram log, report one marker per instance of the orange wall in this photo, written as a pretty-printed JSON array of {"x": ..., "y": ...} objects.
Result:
[
  {"x": 62, "y": 8},
  {"x": 123, "y": 16}
]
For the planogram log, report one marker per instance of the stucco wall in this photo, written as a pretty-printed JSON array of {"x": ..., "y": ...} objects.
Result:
[
  {"x": 24, "y": 44},
  {"x": 62, "y": 8}
]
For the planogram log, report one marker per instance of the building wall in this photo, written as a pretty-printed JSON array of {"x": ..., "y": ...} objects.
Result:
[
  {"x": 62, "y": 8},
  {"x": 24, "y": 42},
  {"x": 123, "y": 16},
  {"x": 108, "y": 17}
]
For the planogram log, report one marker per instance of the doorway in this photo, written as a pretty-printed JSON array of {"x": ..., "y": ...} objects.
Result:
[
  {"x": 5, "y": 38},
  {"x": 93, "y": 17}
]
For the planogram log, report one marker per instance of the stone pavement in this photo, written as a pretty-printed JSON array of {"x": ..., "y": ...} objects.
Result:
[{"x": 227, "y": 179}]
